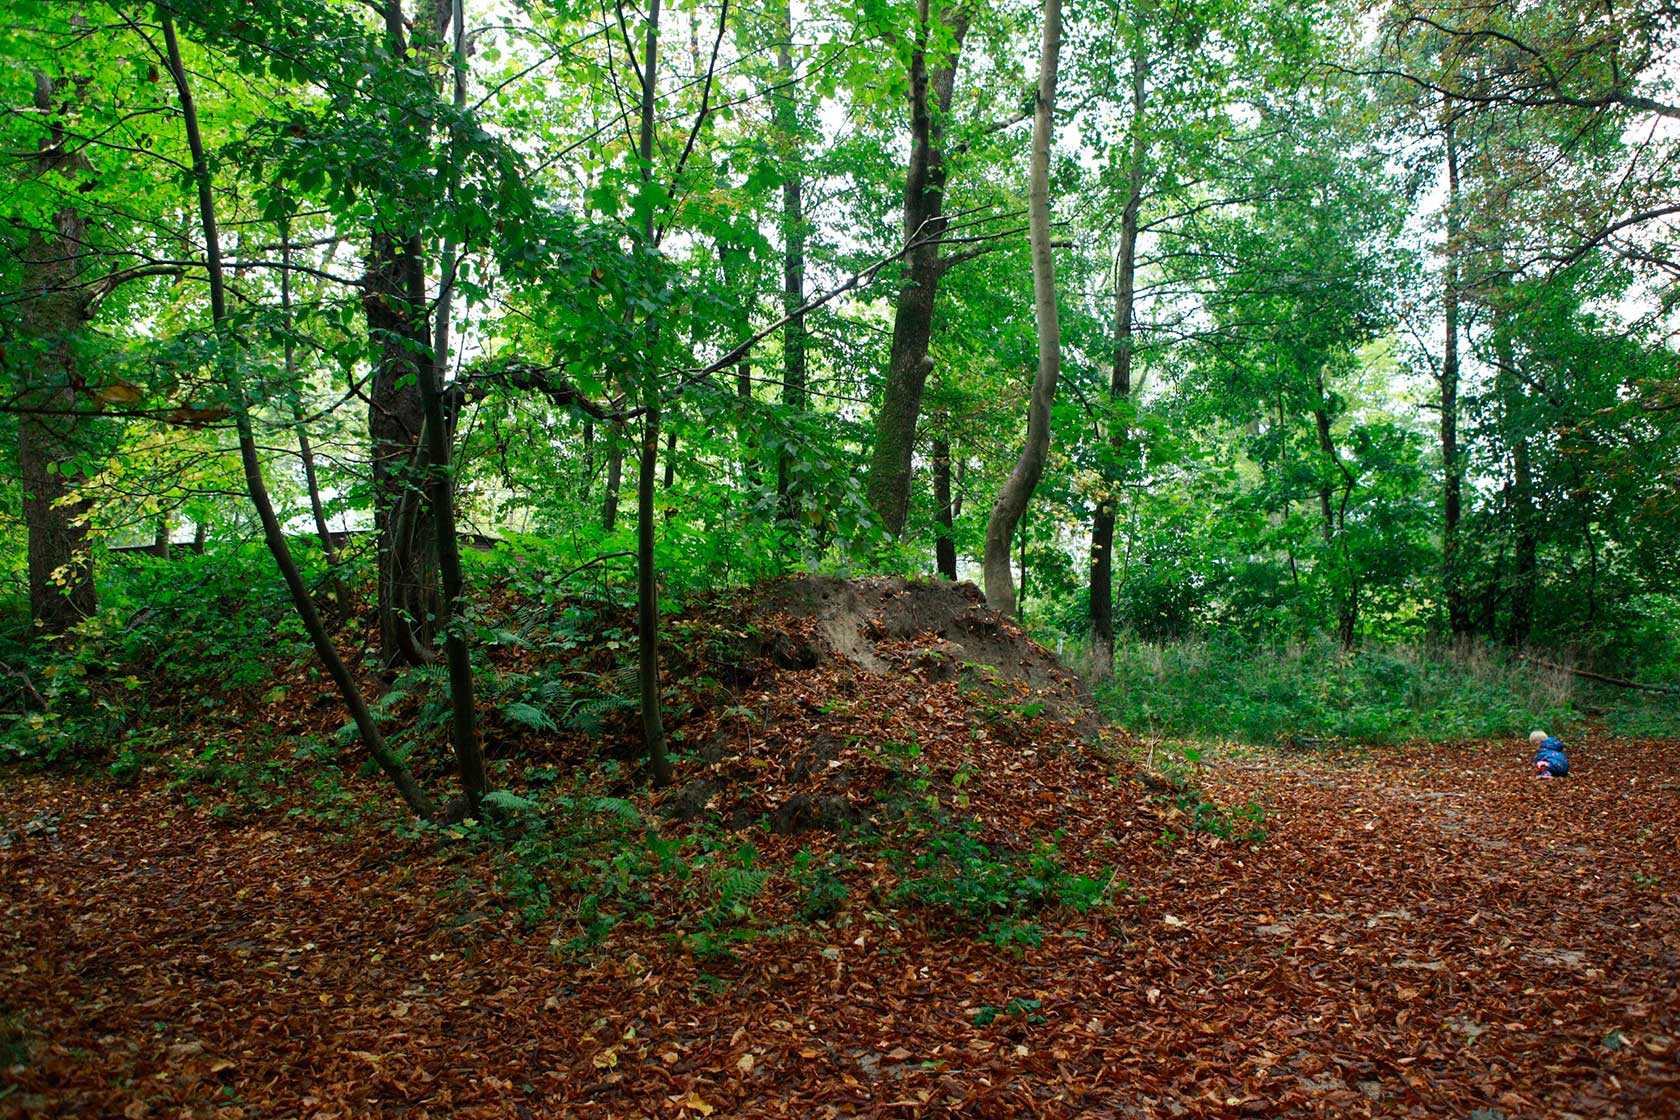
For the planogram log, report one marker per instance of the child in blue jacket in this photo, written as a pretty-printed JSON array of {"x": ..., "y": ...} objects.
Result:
[{"x": 1549, "y": 759}]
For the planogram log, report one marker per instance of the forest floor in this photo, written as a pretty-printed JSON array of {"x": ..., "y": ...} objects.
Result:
[
  {"x": 1431, "y": 933},
  {"x": 896, "y": 889}
]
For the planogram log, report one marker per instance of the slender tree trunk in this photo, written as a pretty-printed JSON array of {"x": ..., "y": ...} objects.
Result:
[
  {"x": 945, "y": 546},
  {"x": 1452, "y": 460},
  {"x": 1592, "y": 567},
  {"x": 273, "y": 533},
  {"x": 786, "y": 113},
  {"x": 1344, "y": 581},
  {"x": 588, "y": 482},
  {"x": 317, "y": 507},
  {"x": 749, "y": 458},
  {"x": 615, "y": 476},
  {"x": 306, "y": 452},
  {"x": 1525, "y": 575},
  {"x": 1326, "y": 492},
  {"x": 1017, "y": 489},
  {"x": 1120, "y": 381},
  {"x": 1493, "y": 593},
  {"x": 647, "y": 583},
  {"x": 53, "y": 315},
  {"x": 469, "y": 754},
  {"x": 1514, "y": 422},
  {"x": 888, "y": 484},
  {"x": 740, "y": 326}
]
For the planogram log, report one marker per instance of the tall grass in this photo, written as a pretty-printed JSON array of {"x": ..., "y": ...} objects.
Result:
[{"x": 1312, "y": 693}]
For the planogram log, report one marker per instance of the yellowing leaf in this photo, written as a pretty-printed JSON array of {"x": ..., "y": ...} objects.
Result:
[
  {"x": 695, "y": 1102},
  {"x": 119, "y": 392}
]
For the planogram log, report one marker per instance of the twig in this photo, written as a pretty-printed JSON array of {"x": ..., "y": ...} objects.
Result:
[{"x": 23, "y": 679}]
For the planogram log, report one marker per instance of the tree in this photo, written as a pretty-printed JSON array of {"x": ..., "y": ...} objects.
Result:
[
  {"x": 56, "y": 296},
  {"x": 469, "y": 753},
  {"x": 273, "y": 533},
  {"x": 1313, "y": 267},
  {"x": 1592, "y": 71},
  {"x": 1012, "y": 499},
  {"x": 1452, "y": 458},
  {"x": 794, "y": 335},
  {"x": 1170, "y": 83},
  {"x": 932, "y": 85},
  {"x": 399, "y": 325},
  {"x": 1120, "y": 384},
  {"x": 647, "y": 585}
]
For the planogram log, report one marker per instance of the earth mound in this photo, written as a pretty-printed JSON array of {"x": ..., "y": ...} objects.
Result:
[
  {"x": 854, "y": 693},
  {"x": 936, "y": 628}
]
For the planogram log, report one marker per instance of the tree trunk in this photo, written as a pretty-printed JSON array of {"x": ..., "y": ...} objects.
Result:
[
  {"x": 1452, "y": 460},
  {"x": 647, "y": 583},
  {"x": 1120, "y": 382},
  {"x": 588, "y": 482},
  {"x": 1344, "y": 583},
  {"x": 1021, "y": 599},
  {"x": 786, "y": 112},
  {"x": 743, "y": 433},
  {"x": 1520, "y": 494},
  {"x": 273, "y": 533},
  {"x": 945, "y": 547},
  {"x": 55, "y": 311},
  {"x": 888, "y": 483},
  {"x": 395, "y": 415},
  {"x": 398, "y": 326},
  {"x": 743, "y": 381},
  {"x": 1018, "y": 488},
  {"x": 1525, "y": 574},
  {"x": 1326, "y": 492},
  {"x": 615, "y": 476},
  {"x": 469, "y": 754},
  {"x": 306, "y": 452}
]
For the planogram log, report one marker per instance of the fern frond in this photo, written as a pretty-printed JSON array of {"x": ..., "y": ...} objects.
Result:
[{"x": 739, "y": 885}]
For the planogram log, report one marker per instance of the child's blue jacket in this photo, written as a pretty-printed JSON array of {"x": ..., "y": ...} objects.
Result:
[{"x": 1551, "y": 753}]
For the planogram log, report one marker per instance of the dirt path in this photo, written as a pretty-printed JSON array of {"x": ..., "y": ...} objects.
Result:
[{"x": 1440, "y": 935}]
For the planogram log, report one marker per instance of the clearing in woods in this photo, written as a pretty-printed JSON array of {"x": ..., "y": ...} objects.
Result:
[
  {"x": 1428, "y": 936},
  {"x": 1427, "y": 932}
]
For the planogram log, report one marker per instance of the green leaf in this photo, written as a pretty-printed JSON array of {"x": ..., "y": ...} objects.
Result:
[
  {"x": 529, "y": 715},
  {"x": 510, "y": 802}
]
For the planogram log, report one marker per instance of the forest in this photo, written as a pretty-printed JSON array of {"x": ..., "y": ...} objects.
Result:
[{"x": 782, "y": 548}]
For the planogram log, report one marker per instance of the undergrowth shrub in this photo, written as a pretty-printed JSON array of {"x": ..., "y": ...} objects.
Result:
[
  {"x": 1314, "y": 693},
  {"x": 951, "y": 871},
  {"x": 171, "y": 637},
  {"x": 823, "y": 891}
]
